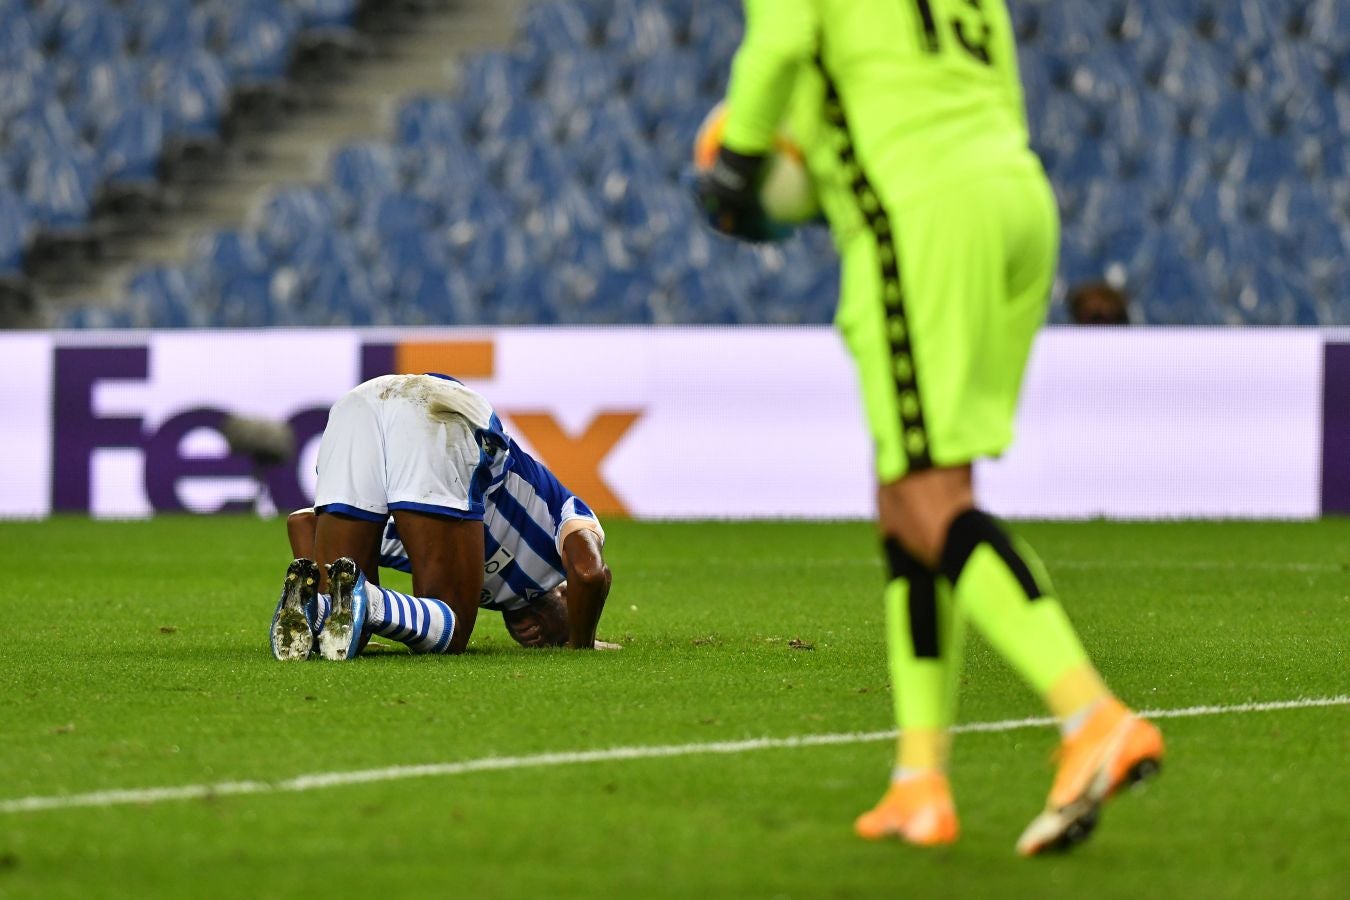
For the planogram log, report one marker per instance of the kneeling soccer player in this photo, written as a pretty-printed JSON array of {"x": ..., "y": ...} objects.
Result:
[{"x": 416, "y": 471}]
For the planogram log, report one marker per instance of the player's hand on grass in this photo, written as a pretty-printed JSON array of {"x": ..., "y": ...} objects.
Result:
[
  {"x": 727, "y": 194},
  {"x": 606, "y": 645}
]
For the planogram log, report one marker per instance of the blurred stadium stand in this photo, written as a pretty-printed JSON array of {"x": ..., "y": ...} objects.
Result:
[{"x": 1199, "y": 148}]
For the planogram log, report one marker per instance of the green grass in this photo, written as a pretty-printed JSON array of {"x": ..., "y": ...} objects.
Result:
[{"x": 134, "y": 655}]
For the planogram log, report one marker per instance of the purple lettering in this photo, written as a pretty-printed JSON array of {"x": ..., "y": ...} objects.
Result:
[
  {"x": 165, "y": 465},
  {"x": 78, "y": 431}
]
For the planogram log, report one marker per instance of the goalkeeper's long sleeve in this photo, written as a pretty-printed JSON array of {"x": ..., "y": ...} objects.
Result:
[{"x": 780, "y": 35}]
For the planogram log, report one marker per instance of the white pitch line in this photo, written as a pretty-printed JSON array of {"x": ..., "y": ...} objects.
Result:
[{"x": 146, "y": 796}]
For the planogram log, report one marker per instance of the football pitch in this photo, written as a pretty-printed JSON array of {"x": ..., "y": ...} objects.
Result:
[{"x": 150, "y": 746}]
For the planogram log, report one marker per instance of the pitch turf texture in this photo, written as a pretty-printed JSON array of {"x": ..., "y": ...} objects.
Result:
[{"x": 135, "y": 656}]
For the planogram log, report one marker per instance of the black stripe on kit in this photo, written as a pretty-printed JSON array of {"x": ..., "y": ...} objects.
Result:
[
  {"x": 967, "y": 532},
  {"x": 914, "y": 434},
  {"x": 922, "y": 593}
]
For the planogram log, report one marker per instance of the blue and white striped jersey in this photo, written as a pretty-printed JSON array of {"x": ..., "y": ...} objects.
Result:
[{"x": 524, "y": 509}]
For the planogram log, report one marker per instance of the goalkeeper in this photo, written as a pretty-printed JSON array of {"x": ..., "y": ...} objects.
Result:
[{"x": 911, "y": 117}]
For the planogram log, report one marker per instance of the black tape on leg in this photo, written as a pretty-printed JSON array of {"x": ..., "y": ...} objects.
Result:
[
  {"x": 922, "y": 594},
  {"x": 971, "y": 529}
]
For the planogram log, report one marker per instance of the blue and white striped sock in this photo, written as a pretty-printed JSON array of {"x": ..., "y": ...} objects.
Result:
[
  {"x": 423, "y": 623},
  {"x": 323, "y": 605}
]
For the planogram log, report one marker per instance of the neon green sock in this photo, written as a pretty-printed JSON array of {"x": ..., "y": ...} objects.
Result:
[
  {"x": 1003, "y": 589},
  {"x": 923, "y": 638}
]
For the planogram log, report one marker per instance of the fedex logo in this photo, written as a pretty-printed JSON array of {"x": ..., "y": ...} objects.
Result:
[
  {"x": 203, "y": 476},
  {"x": 79, "y": 431}
]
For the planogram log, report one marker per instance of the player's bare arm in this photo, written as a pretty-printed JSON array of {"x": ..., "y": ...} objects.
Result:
[{"x": 588, "y": 582}]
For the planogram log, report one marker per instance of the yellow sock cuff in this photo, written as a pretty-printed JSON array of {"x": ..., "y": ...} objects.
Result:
[
  {"x": 1075, "y": 691},
  {"x": 923, "y": 749}
]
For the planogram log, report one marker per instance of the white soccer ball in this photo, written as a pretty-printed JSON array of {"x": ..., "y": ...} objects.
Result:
[{"x": 787, "y": 194}]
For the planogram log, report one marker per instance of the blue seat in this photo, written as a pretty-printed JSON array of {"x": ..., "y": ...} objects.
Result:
[
  {"x": 366, "y": 171},
  {"x": 471, "y": 217},
  {"x": 89, "y": 29},
  {"x": 258, "y": 39},
  {"x": 244, "y": 301},
  {"x": 568, "y": 210},
  {"x": 96, "y": 316},
  {"x": 714, "y": 31},
  {"x": 193, "y": 90},
  {"x": 1140, "y": 18},
  {"x": 168, "y": 28},
  {"x": 16, "y": 228},
  {"x": 639, "y": 28},
  {"x": 396, "y": 217},
  {"x": 1083, "y": 257},
  {"x": 432, "y": 122},
  {"x": 557, "y": 27},
  {"x": 165, "y": 299},
  {"x": 602, "y": 128},
  {"x": 60, "y": 188},
  {"x": 445, "y": 177},
  {"x": 1261, "y": 161},
  {"x": 326, "y": 14},
  {"x": 1329, "y": 25},
  {"x": 29, "y": 85},
  {"x": 510, "y": 127},
  {"x": 17, "y": 35},
  {"x": 496, "y": 254},
  {"x": 43, "y": 130},
  {"x": 1248, "y": 26},
  {"x": 103, "y": 89},
  {"x": 652, "y": 209},
  {"x": 576, "y": 81},
  {"x": 532, "y": 172},
  {"x": 666, "y": 84},
  {"x": 1072, "y": 29},
  {"x": 493, "y": 79},
  {"x": 1194, "y": 74},
  {"x": 340, "y": 292},
  {"x": 130, "y": 147},
  {"x": 673, "y": 140},
  {"x": 294, "y": 218}
]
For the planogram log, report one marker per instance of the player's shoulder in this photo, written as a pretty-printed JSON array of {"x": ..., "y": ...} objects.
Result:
[{"x": 536, "y": 477}]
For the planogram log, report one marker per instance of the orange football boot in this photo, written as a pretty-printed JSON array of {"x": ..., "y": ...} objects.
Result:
[
  {"x": 1114, "y": 748},
  {"x": 917, "y": 810}
]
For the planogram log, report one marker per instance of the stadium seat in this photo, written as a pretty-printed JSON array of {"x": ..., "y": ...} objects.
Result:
[
  {"x": 575, "y": 81},
  {"x": 192, "y": 90},
  {"x": 161, "y": 297},
  {"x": 433, "y": 122},
  {"x": 16, "y": 228},
  {"x": 130, "y": 147},
  {"x": 665, "y": 84},
  {"x": 366, "y": 171},
  {"x": 167, "y": 29},
  {"x": 59, "y": 188},
  {"x": 326, "y": 14},
  {"x": 90, "y": 29},
  {"x": 638, "y": 28},
  {"x": 557, "y": 28},
  {"x": 18, "y": 38},
  {"x": 258, "y": 39},
  {"x": 292, "y": 218}
]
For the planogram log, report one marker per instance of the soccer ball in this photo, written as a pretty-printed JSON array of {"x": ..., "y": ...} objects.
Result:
[{"x": 787, "y": 195}]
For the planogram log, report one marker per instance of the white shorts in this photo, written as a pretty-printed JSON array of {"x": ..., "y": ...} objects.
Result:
[{"x": 404, "y": 442}]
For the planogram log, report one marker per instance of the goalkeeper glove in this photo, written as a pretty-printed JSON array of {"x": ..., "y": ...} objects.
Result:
[{"x": 728, "y": 196}]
